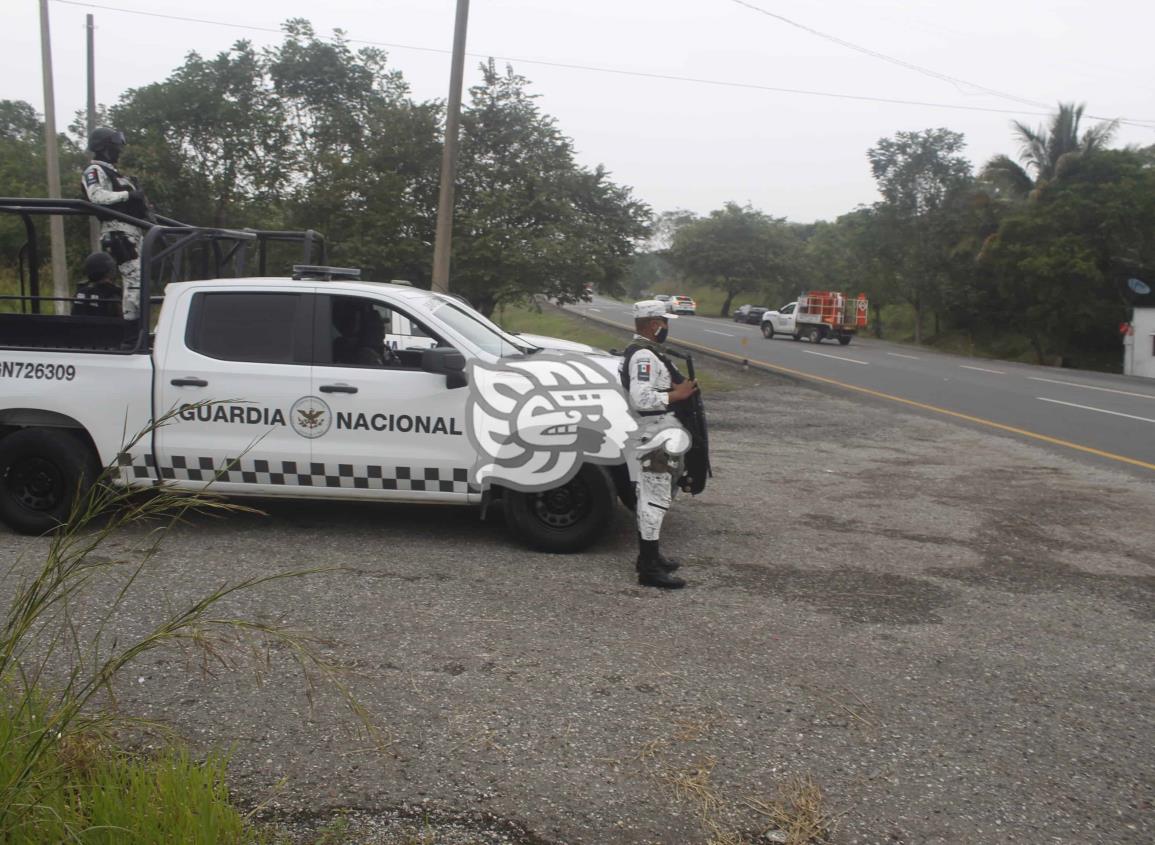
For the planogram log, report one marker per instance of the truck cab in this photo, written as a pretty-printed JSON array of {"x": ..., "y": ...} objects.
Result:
[{"x": 781, "y": 321}]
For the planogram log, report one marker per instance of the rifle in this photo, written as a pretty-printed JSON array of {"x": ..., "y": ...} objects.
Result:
[{"x": 691, "y": 413}]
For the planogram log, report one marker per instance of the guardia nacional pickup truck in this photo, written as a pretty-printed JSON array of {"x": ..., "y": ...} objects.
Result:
[{"x": 267, "y": 393}]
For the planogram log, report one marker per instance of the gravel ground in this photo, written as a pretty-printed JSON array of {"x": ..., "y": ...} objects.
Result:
[{"x": 947, "y": 631}]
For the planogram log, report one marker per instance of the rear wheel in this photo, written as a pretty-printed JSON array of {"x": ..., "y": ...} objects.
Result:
[
  {"x": 767, "y": 330},
  {"x": 567, "y": 518},
  {"x": 42, "y": 473},
  {"x": 844, "y": 339}
]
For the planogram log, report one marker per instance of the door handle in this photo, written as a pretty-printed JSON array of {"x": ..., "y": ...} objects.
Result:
[
  {"x": 338, "y": 388},
  {"x": 189, "y": 382}
]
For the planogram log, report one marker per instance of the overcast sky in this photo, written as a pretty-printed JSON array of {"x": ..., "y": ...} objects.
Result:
[{"x": 679, "y": 144}]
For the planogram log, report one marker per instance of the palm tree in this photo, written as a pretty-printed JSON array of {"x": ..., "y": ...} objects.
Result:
[{"x": 1047, "y": 151}]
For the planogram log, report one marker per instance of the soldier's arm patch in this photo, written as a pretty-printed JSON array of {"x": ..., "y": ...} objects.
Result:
[
  {"x": 91, "y": 177},
  {"x": 643, "y": 371}
]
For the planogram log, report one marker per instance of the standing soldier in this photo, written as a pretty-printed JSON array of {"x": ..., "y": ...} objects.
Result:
[
  {"x": 104, "y": 185},
  {"x": 655, "y": 385}
]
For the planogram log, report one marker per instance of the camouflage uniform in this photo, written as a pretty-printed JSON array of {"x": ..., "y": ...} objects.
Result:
[
  {"x": 656, "y": 450},
  {"x": 103, "y": 185}
]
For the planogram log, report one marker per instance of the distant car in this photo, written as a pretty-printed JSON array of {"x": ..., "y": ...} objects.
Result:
[
  {"x": 750, "y": 314},
  {"x": 683, "y": 305}
]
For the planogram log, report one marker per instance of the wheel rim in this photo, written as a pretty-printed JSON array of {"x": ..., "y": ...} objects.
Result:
[
  {"x": 563, "y": 507},
  {"x": 36, "y": 483}
]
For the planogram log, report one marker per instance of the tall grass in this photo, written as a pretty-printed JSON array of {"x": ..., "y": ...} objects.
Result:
[{"x": 57, "y": 678}]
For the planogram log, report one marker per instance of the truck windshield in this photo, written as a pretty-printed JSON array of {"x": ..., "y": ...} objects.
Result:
[{"x": 482, "y": 332}]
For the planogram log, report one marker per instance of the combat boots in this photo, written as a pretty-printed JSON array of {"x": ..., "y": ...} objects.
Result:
[
  {"x": 651, "y": 572},
  {"x": 669, "y": 564}
]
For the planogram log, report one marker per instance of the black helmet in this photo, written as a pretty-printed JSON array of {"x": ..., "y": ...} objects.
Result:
[
  {"x": 106, "y": 143},
  {"x": 99, "y": 266}
]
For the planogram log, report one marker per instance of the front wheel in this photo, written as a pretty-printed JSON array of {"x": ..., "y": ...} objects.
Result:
[
  {"x": 767, "y": 331},
  {"x": 567, "y": 518},
  {"x": 42, "y": 473}
]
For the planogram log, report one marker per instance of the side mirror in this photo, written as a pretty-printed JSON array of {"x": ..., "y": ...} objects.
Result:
[{"x": 446, "y": 361}]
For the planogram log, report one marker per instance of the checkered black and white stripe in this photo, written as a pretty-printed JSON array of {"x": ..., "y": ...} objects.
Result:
[{"x": 299, "y": 474}]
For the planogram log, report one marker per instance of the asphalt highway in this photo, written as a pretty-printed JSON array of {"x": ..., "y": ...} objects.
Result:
[{"x": 1106, "y": 418}]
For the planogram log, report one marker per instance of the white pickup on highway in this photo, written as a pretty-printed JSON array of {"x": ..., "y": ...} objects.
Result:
[{"x": 271, "y": 387}]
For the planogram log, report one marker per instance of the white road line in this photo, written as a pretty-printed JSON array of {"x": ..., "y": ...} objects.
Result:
[
  {"x": 591, "y": 308},
  {"x": 724, "y": 334},
  {"x": 1100, "y": 410},
  {"x": 837, "y": 357},
  {"x": 983, "y": 370},
  {"x": 900, "y": 355},
  {"x": 1091, "y": 387}
]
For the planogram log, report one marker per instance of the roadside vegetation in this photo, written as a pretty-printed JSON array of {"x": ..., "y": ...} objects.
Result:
[
  {"x": 1026, "y": 259},
  {"x": 64, "y": 777}
]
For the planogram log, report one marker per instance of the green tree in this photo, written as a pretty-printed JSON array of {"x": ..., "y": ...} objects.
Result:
[
  {"x": 917, "y": 174},
  {"x": 1061, "y": 263},
  {"x": 23, "y": 173},
  {"x": 1046, "y": 151},
  {"x": 529, "y": 220},
  {"x": 366, "y": 156},
  {"x": 649, "y": 273},
  {"x": 846, "y": 255},
  {"x": 209, "y": 142},
  {"x": 737, "y": 248},
  {"x": 309, "y": 134}
]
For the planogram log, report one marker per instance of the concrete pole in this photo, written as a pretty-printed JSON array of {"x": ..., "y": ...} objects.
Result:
[
  {"x": 443, "y": 240},
  {"x": 59, "y": 270},
  {"x": 90, "y": 123}
]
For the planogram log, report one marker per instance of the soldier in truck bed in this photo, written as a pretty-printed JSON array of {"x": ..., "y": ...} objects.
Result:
[
  {"x": 104, "y": 185},
  {"x": 99, "y": 296}
]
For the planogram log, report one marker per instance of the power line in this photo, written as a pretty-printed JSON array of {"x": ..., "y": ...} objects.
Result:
[
  {"x": 593, "y": 69},
  {"x": 934, "y": 74}
]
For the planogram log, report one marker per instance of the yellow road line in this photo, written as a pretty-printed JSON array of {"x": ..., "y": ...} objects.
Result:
[{"x": 1055, "y": 441}]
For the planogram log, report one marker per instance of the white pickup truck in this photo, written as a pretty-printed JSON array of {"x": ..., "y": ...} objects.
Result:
[
  {"x": 817, "y": 315},
  {"x": 269, "y": 401}
]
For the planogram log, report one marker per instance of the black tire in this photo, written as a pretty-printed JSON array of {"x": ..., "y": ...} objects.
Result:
[
  {"x": 42, "y": 472},
  {"x": 767, "y": 331},
  {"x": 797, "y": 336},
  {"x": 566, "y": 519},
  {"x": 844, "y": 339},
  {"x": 814, "y": 334}
]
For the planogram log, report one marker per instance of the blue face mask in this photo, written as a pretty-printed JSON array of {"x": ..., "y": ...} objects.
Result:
[{"x": 661, "y": 334}]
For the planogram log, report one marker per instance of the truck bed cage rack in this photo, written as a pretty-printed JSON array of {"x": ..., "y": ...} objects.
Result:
[{"x": 167, "y": 254}]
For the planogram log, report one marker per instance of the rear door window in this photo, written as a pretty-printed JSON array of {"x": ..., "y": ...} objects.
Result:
[{"x": 264, "y": 328}]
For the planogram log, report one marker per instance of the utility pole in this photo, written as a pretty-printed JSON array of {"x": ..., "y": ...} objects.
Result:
[
  {"x": 52, "y": 159},
  {"x": 90, "y": 25},
  {"x": 442, "y": 240}
]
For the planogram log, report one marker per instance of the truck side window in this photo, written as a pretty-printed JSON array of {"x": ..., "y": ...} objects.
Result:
[
  {"x": 363, "y": 332},
  {"x": 265, "y": 328}
]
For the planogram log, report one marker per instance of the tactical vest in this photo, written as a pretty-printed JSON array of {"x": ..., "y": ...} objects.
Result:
[
  {"x": 137, "y": 208},
  {"x": 675, "y": 376}
]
